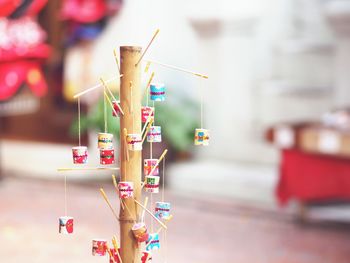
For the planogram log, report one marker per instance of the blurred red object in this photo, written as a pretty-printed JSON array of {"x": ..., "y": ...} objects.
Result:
[
  {"x": 22, "y": 38},
  {"x": 84, "y": 11},
  {"x": 312, "y": 177},
  {"x": 22, "y": 53},
  {"x": 8, "y": 6},
  {"x": 14, "y": 74},
  {"x": 35, "y": 7}
]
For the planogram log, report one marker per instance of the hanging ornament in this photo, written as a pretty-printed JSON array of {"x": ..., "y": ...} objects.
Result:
[
  {"x": 107, "y": 156},
  {"x": 154, "y": 134},
  {"x": 201, "y": 137},
  {"x": 145, "y": 113},
  {"x": 105, "y": 140},
  {"x": 157, "y": 91},
  {"x": 134, "y": 142},
  {"x": 149, "y": 164},
  {"x": 152, "y": 184},
  {"x": 80, "y": 154},
  {"x": 66, "y": 225},
  {"x": 153, "y": 242},
  {"x": 99, "y": 247},
  {"x": 162, "y": 210},
  {"x": 140, "y": 232},
  {"x": 116, "y": 112},
  {"x": 126, "y": 189}
]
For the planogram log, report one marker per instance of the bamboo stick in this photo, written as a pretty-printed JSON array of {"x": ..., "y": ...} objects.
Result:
[
  {"x": 178, "y": 68},
  {"x": 115, "y": 245},
  {"x": 117, "y": 190},
  {"x": 149, "y": 44},
  {"x": 95, "y": 87},
  {"x": 151, "y": 214},
  {"x": 111, "y": 94},
  {"x": 148, "y": 84},
  {"x": 86, "y": 169},
  {"x": 130, "y": 166},
  {"x": 155, "y": 167},
  {"x": 110, "y": 253},
  {"x": 116, "y": 60},
  {"x": 108, "y": 203}
]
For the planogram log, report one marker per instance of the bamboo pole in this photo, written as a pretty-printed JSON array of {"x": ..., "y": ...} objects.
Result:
[{"x": 130, "y": 170}]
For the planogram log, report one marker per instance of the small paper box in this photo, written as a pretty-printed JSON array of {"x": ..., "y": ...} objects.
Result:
[
  {"x": 162, "y": 210},
  {"x": 126, "y": 189},
  {"x": 152, "y": 184},
  {"x": 106, "y": 156},
  {"x": 134, "y": 142},
  {"x": 140, "y": 232},
  {"x": 201, "y": 137},
  {"x": 80, "y": 154},
  {"x": 105, "y": 140},
  {"x": 145, "y": 112},
  {"x": 157, "y": 91},
  {"x": 148, "y": 165},
  {"x": 66, "y": 224},
  {"x": 153, "y": 242},
  {"x": 154, "y": 134},
  {"x": 99, "y": 247}
]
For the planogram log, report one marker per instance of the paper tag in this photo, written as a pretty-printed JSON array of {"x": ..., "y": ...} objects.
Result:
[
  {"x": 284, "y": 137},
  {"x": 328, "y": 142}
]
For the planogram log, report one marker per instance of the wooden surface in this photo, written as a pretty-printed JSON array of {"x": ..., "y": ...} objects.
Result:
[{"x": 130, "y": 101}]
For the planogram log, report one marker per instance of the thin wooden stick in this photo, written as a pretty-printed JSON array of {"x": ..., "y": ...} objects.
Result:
[
  {"x": 159, "y": 230},
  {"x": 86, "y": 169},
  {"x": 155, "y": 167},
  {"x": 115, "y": 244},
  {"x": 147, "y": 129},
  {"x": 108, "y": 203},
  {"x": 116, "y": 59},
  {"x": 147, "y": 67},
  {"x": 151, "y": 214},
  {"x": 148, "y": 84},
  {"x": 178, "y": 68},
  {"x": 125, "y": 134},
  {"x": 159, "y": 160},
  {"x": 110, "y": 103},
  {"x": 110, "y": 253},
  {"x": 143, "y": 212},
  {"x": 95, "y": 87},
  {"x": 111, "y": 94},
  {"x": 149, "y": 44},
  {"x": 149, "y": 119},
  {"x": 117, "y": 190}
]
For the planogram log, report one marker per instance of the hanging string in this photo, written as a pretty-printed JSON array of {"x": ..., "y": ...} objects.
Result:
[
  {"x": 147, "y": 95},
  {"x": 65, "y": 195},
  {"x": 105, "y": 109},
  {"x": 79, "y": 121},
  {"x": 163, "y": 179},
  {"x": 150, "y": 143},
  {"x": 151, "y": 210},
  {"x": 154, "y": 113},
  {"x": 201, "y": 96},
  {"x": 165, "y": 245}
]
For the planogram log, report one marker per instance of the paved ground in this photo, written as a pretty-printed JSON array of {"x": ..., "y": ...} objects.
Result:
[{"x": 203, "y": 229}]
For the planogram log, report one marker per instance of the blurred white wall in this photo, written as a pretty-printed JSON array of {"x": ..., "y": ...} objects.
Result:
[{"x": 268, "y": 61}]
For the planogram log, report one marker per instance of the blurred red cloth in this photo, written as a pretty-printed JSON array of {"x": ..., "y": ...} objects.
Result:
[{"x": 310, "y": 177}]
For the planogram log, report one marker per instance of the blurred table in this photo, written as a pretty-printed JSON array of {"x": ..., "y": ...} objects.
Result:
[{"x": 315, "y": 162}]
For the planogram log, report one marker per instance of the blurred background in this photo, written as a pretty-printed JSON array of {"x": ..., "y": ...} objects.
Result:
[{"x": 272, "y": 186}]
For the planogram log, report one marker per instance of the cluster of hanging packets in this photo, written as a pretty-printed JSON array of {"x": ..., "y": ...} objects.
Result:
[{"x": 151, "y": 170}]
